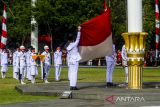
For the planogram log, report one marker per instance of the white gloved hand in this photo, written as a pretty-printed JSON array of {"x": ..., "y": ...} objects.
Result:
[{"x": 79, "y": 28}]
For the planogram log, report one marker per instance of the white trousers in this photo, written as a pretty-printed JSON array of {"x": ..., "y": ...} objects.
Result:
[
  {"x": 126, "y": 73},
  {"x": 46, "y": 71},
  {"x": 58, "y": 71},
  {"x": 125, "y": 65},
  {"x": 33, "y": 70},
  {"x": 42, "y": 70},
  {"x": 72, "y": 74},
  {"x": 110, "y": 69},
  {"x": 15, "y": 72},
  {"x": 29, "y": 73},
  {"x": 25, "y": 72},
  {"x": 4, "y": 68},
  {"x": 22, "y": 72}
]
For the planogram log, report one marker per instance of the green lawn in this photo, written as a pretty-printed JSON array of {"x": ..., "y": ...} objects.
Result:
[{"x": 9, "y": 95}]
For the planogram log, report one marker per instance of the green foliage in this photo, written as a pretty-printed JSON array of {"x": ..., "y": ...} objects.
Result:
[
  {"x": 119, "y": 23},
  {"x": 61, "y": 17},
  {"x": 149, "y": 22},
  {"x": 18, "y": 21},
  {"x": 19, "y": 26}
]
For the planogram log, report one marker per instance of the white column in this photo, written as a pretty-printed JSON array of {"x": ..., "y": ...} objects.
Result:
[
  {"x": 134, "y": 15},
  {"x": 34, "y": 30}
]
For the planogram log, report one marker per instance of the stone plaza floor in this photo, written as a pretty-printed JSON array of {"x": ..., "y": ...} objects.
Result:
[{"x": 90, "y": 95}]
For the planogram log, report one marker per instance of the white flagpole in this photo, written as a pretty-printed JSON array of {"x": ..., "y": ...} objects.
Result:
[{"x": 34, "y": 30}]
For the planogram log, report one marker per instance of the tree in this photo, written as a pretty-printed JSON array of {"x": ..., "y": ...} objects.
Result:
[
  {"x": 18, "y": 22},
  {"x": 119, "y": 21},
  {"x": 20, "y": 25},
  {"x": 59, "y": 18},
  {"x": 149, "y": 22},
  {"x": 62, "y": 17}
]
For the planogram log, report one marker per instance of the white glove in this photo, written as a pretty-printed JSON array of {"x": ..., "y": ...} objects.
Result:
[{"x": 79, "y": 28}]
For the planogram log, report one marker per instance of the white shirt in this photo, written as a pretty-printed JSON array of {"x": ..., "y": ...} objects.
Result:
[
  {"x": 124, "y": 53},
  {"x": 28, "y": 57},
  {"x": 22, "y": 58},
  {"x": 47, "y": 58},
  {"x": 57, "y": 58},
  {"x": 112, "y": 57},
  {"x": 4, "y": 58},
  {"x": 32, "y": 61},
  {"x": 72, "y": 51},
  {"x": 15, "y": 58}
]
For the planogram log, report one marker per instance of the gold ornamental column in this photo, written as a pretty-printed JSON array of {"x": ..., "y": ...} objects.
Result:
[{"x": 135, "y": 47}]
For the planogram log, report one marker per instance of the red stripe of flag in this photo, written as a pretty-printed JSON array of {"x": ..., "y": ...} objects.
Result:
[{"x": 4, "y": 32}]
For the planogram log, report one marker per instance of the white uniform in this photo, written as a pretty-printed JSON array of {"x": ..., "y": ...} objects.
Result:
[
  {"x": 47, "y": 64},
  {"x": 111, "y": 62},
  {"x": 15, "y": 65},
  {"x": 73, "y": 58},
  {"x": 33, "y": 65},
  {"x": 124, "y": 61},
  {"x": 57, "y": 64},
  {"x": 22, "y": 63},
  {"x": 33, "y": 68},
  {"x": 4, "y": 63},
  {"x": 28, "y": 66}
]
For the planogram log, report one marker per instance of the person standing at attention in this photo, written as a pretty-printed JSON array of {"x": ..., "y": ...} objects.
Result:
[
  {"x": 4, "y": 62},
  {"x": 111, "y": 62},
  {"x": 57, "y": 63},
  {"x": 33, "y": 65},
  {"x": 47, "y": 64},
  {"x": 124, "y": 62},
  {"x": 28, "y": 65},
  {"x": 15, "y": 63},
  {"x": 22, "y": 64}
]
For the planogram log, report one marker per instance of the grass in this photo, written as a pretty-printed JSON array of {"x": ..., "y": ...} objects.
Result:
[{"x": 8, "y": 94}]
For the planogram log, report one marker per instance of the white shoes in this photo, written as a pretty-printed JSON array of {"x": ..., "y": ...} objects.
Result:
[
  {"x": 3, "y": 75},
  {"x": 33, "y": 81},
  {"x": 23, "y": 83},
  {"x": 46, "y": 81}
]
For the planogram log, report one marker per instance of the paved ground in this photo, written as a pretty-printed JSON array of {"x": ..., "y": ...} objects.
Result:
[
  {"x": 80, "y": 103},
  {"x": 91, "y": 95}
]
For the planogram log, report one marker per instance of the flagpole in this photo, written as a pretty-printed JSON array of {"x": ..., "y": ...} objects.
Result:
[
  {"x": 34, "y": 30},
  {"x": 4, "y": 29},
  {"x": 157, "y": 28},
  {"x": 135, "y": 44}
]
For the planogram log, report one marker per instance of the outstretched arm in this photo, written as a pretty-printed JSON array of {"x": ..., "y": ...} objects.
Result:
[{"x": 77, "y": 39}]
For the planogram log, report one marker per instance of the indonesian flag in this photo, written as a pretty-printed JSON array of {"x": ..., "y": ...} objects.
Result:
[
  {"x": 4, "y": 29},
  {"x": 96, "y": 37}
]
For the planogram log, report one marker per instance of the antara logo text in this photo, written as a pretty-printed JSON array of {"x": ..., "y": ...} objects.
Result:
[{"x": 113, "y": 99}]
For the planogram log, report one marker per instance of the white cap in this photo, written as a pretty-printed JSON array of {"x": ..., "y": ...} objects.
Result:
[
  {"x": 46, "y": 47},
  {"x": 22, "y": 47}
]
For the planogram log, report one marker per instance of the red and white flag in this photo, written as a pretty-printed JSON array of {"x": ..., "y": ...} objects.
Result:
[
  {"x": 4, "y": 29},
  {"x": 96, "y": 37},
  {"x": 157, "y": 26}
]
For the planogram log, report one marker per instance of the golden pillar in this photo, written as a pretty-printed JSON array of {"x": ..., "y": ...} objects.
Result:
[{"x": 135, "y": 47}]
